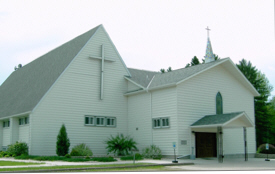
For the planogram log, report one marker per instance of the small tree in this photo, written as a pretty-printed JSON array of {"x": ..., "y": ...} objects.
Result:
[{"x": 63, "y": 142}]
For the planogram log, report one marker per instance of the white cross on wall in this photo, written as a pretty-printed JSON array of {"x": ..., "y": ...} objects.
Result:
[{"x": 102, "y": 58}]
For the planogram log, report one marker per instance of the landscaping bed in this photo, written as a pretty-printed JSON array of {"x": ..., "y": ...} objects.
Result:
[{"x": 262, "y": 155}]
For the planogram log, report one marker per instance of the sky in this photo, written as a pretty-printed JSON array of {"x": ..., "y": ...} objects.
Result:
[{"x": 148, "y": 34}]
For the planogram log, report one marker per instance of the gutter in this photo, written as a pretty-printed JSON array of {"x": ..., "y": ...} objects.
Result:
[{"x": 17, "y": 115}]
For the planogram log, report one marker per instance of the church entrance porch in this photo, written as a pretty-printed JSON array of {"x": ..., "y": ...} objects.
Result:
[
  {"x": 206, "y": 145},
  {"x": 209, "y": 133}
]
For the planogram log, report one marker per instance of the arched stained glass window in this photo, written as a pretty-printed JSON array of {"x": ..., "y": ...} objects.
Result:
[{"x": 219, "y": 108}]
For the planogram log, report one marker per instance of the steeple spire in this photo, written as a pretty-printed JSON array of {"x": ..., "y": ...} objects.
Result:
[{"x": 209, "y": 56}]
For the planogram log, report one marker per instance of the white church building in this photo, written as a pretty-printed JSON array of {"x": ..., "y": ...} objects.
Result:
[{"x": 206, "y": 109}]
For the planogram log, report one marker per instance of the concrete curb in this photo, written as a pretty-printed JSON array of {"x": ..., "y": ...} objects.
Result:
[{"x": 89, "y": 168}]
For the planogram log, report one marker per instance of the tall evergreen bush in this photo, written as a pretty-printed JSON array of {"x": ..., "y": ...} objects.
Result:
[{"x": 63, "y": 142}]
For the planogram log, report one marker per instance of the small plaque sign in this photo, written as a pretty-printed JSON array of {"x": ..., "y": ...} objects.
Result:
[
  {"x": 267, "y": 146},
  {"x": 174, "y": 144}
]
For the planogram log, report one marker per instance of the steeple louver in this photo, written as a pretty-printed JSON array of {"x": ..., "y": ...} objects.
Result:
[{"x": 209, "y": 56}]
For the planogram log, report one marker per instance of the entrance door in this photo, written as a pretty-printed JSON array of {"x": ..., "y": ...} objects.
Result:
[{"x": 206, "y": 145}]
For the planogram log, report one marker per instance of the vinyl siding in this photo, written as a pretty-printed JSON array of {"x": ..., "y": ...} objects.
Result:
[
  {"x": 24, "y": 133},
  {"x": 77, "y": 93},
  {"x": 164, "y": 104},
  {"x": 139, "y": 112},
  {"x": 6, "y": 136},
  {"x": 196, "y": 98}
]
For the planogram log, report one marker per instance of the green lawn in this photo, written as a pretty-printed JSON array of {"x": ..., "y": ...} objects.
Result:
[
  {"x": 85, "y": 167},
  {"x": 62, "y": 158},
  {"x": 12, "y": 163}
]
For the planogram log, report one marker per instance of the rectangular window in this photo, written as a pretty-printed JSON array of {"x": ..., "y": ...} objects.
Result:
[
  {"x": 165, "y": 122},
  {"x": 89, "y": 120},
  {"x": 21, "y": 121},
  {"x": 161, "y": 122},
  {"x": 6, "y": 124},
  {"x": 110, "y": 122},
  {"x": 26, "y": 120},
  {"x": 100, "y": 121}
]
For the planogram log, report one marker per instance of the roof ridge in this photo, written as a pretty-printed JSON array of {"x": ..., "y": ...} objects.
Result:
[{"x": 144, "y": 70}]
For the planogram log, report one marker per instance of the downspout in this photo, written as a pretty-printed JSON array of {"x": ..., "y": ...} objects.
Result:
[{"x": 151, "y": 108}]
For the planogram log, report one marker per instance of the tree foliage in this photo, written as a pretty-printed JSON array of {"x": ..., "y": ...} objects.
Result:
[
  {"x": 262, "y": 115},
  {"x": 63, "y": 142},
  {"x": 168, "y": 70},
  {"x": 196, "y": 61},
  {"x": 120, "y": 144}
]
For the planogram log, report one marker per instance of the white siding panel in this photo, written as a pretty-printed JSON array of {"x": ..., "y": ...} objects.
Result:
[
  {"x": 196, "y": 98},
  {"x": 164, "y": 104},
  {"x": 139, "y": 117},
  {"x": 6, "y": 136},
  {"x": 76, "y": 94},
  {"x": 24, "y": 133}
]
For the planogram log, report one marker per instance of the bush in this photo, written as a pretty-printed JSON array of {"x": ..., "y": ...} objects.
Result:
[
  {"x": 3, "y": 153},
  {"x": 81, "y": 150},
  {"x": 67, "y": 156},
  {"x": 261, "y": 149},
  {"x": 103, "y": 159},
  {"x": 63, "y": 142},
  {"x": 137, "y": 157},
  {"x": 152, "y": 152},
  {"x": 120, "y": 145},
  {"x": 17, "y": 149}
]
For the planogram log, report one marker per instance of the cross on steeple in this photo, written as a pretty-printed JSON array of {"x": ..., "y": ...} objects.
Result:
[
  {"x": 102, "y": 58},
  {"x": 208, "y": 29}
]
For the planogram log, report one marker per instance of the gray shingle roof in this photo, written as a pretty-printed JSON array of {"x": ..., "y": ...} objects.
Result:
[
  {"x": 216, "y": 119},
  {"x": 162, "y": 79},
  {"x": 142, "y": 77},
  {"x": 25, "y": 87}
]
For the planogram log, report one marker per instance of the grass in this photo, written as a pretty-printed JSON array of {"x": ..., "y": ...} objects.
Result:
[
  {"x": 12, "y": 163},
  {"x": 60, "y": 158},
  {"x": 85, "y": 167}
]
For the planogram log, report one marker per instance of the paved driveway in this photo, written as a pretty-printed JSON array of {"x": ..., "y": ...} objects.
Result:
[{"x": 228, "y": 164}]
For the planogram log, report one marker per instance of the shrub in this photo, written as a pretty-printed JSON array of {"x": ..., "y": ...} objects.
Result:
[
  {"x": 74, "y": 153},
  {"x": 17, "y": 149},
  {"x": 3, "y": 153},
  {"x": 261, "y": 149},
  {"x": 103, "y": 159},
  {"x": 87, "y": 157},
  {"x": 152, "y": 152},
  {"x": 137, "y": 157},
  {"x": 63, "y": 142},
  {"x": 67, "y": 156},
  {"x": 81, "y": 150},
  {"x": 120, "y": 145}
]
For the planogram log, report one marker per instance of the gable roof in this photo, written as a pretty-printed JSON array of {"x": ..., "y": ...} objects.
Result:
[
  {"x": 25, "y": 87},
  {"x": 224, "y": 120},
  {"x": 175, "y": 77}
]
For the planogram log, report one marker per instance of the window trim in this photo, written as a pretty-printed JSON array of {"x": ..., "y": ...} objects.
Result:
[
  {"x": 111, "y": 119},
  {"x": 24, "y": 123},
  {"x": 95, "y": 121},
  {"x": 6, "y": 122},
  {"x": 161, "y": 121}
]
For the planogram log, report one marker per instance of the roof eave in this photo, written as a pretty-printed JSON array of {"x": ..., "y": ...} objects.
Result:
[{"x": 179, "y": 82}]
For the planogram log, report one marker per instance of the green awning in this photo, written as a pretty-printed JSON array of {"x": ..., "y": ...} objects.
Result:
[{"x": 235, "y": 119}]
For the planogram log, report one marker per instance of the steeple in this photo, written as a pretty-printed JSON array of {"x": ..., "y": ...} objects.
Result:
[{"x": 209, "y": 56}]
